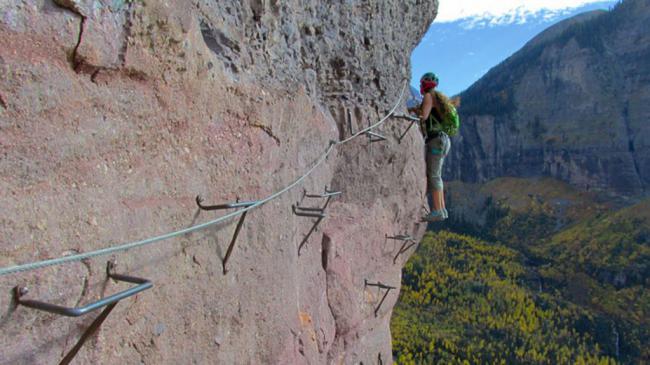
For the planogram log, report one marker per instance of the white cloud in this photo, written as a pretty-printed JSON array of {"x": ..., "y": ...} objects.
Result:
[{"x": 503, "y": 11}]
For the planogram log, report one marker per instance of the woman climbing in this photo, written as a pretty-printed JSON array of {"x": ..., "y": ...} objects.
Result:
[{"x": 436, "y": 113}]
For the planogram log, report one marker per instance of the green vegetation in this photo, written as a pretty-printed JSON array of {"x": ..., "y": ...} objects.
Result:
[
  {"x": 463, "y": 302},
  {"x": 608, "y": 246},
  {"x": 549, "y": 276}
]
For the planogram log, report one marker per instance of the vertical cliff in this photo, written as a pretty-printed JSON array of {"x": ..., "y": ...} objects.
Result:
[
  {"x": 114, "y": 115},
  {"x": 572, "y": 104}
]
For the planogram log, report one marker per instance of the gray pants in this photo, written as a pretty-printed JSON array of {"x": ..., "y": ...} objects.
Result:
[{"x": 437, "y": 150}]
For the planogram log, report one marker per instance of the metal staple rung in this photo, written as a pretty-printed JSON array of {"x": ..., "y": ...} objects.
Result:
[
  {"x": 400, "y": 237},
  {"x": 327, "y": 194},
  {"x": 311, "y": 230},
  {"x": 309, "y": 209},
  {"x": 109, "y": 302},
  {"x": 240, "y": 223},
  {"x": 235, "y": 205},
  {"x": 412, "y": 122},
  {"x": 409, "y": 118},
  {"x": 377, "y": 137},
  {"x": 307, "y": 214},
  {"x": 404, "y": 248},
  {"x": 151, "y": 240},
  {"x": 380, "y": 286}
]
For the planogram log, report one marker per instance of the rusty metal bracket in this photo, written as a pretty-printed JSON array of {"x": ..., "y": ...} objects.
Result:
[
  {"x": 380, "y": 286},
  {"x": 240, "y": 223},
  {"x": 109, "y": 302},
  {"x": 407, "y": 243}
]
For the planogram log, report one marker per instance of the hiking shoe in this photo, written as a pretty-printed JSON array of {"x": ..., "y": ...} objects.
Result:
[
  {"x": 445, "y": 213},
  {"x": 434, "y": 216}
]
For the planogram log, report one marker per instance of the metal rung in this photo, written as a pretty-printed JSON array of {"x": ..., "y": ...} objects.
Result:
[
  {"x": 309, "y": 209},
  {"x": 377, "y": 137},
  {"x": 406, "y": 117},
  {"x": 412, "y": 120},
  {"x": 307, "y": 214},
  {"x": 313, "y": 228},
  {"x": 400, "y": 237},
  {"x": 373, "y": 134},
  {"x": 79, "y": 311},
  {"x": 380, "y": 286},
  {"x": 235, "y": 205},
  {"x": 407, "y": 242},
  {"x": 109, "y": 302},
  {"x": 326, "y": 194},
  {"x": 405, "y": 247},
  {"x": 240, "y": 223}
]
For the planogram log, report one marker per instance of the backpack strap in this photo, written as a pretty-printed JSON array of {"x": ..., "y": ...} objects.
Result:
[{"x": 433, "y": 124}]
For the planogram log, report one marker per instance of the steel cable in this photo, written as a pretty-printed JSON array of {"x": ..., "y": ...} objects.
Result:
[{"x": 127, "y": 246}]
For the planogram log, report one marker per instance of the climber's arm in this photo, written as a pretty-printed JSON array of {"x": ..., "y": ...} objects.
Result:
[
  {"x": 425, "y": 110},
  {"x": 427, "y": 105}
]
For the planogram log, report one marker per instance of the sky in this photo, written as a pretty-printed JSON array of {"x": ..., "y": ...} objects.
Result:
[
  {"x": 469, "y": 37},
  {"x": 504, "y": 10}
]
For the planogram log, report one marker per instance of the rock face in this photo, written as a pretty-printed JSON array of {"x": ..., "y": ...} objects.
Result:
[
  {"x": 573, "y": 104},
  {"x": 115, "y": 114}
]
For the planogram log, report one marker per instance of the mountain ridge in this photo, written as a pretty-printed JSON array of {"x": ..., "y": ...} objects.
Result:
[{"x": 538, "y": 112}]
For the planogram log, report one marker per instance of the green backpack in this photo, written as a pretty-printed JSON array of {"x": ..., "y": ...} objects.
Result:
[{"x": 450, "y": 123}]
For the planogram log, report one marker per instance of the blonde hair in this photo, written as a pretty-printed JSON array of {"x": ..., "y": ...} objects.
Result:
[{"x": 444, "y": 102}]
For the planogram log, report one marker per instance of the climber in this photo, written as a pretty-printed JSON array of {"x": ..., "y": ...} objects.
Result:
[{"x": 438, "y": 119}]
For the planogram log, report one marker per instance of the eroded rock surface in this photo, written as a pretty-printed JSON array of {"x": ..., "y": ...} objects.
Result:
[{"x": 114, "y": 115}]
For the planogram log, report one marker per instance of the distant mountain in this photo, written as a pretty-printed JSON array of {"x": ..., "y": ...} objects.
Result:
[
  {"x": 414, "y": 98},
  {"x": 462, "y": 51},
  {"x": 573, "y": 104}
]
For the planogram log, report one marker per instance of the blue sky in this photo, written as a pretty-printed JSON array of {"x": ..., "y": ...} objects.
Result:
[{"x": 471, "y": 36}]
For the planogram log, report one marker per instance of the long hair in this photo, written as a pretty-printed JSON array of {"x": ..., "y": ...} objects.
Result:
[{"x": 444, "y": 102}]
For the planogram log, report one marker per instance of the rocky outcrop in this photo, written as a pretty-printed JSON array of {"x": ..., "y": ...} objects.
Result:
[
  {"x": 115, "y": 114},
  {"x": 572, "y": 104}
]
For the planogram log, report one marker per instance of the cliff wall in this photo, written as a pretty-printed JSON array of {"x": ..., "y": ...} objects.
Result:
[
  {"x": 114, "y": 115},
  {"x": 572, "y": 104}
]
